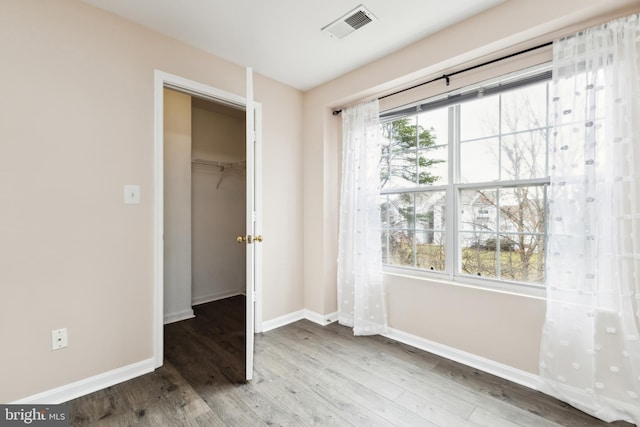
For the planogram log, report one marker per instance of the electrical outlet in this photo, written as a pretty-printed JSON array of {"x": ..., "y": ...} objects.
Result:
[{"x": 59, "y": 339}]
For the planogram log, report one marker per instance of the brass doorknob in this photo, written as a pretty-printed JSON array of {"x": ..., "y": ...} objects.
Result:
[{"x": 249, "y": 238}]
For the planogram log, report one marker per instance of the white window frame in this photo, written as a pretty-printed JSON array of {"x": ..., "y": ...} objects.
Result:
[{"x": 453, "y": 189}]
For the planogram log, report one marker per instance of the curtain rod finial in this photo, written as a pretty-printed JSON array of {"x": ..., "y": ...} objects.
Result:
[{"x": 336, "y": 112}]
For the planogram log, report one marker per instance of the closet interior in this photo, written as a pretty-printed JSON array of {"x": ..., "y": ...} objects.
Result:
[{"x": 204, "y": 203}]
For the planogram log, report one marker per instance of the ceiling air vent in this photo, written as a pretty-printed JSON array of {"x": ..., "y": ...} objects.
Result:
[{"x": 347, "y": 24}]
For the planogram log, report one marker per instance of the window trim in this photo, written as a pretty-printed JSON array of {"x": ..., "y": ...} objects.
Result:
[
  {"x": 485, "y": 284},
  {"x": 515, "y": 80}
]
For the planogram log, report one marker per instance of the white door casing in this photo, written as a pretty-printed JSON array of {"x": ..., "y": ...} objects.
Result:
[{"x": 254, "y": 190}]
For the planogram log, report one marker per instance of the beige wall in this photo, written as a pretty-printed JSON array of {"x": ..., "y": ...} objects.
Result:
[
  {"x": 76, "y": 124},
  {"x": 218, "y": 132},
  {"x": 501, "y": 327},
  {"x": 282, "y": 205},
  {"x": 219, "y": 200},
  {"x": 177, "y": 206},
  {"x": 498, "y": 326}
]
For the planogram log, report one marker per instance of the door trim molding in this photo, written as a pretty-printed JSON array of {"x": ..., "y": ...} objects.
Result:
[{"x": 166, "y": 80}]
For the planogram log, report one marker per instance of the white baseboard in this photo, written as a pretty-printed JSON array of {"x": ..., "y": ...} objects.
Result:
[
  {"x": 518, "y": 376},
  {"x": 282, "y": 320},
  {"x": 89, "y": 385},
  {"x": 178, "y": 316},
  {"x": 320, "y": 319},
  {"x": 215, "y": 296},
  {"x": 312, "y": 316}
]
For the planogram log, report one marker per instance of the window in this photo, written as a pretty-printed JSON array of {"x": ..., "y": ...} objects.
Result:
[{"x": 464, "y": 182}]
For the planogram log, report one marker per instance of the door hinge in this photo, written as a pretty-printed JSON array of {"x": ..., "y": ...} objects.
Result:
[
  {"x": 253, "y": 216},
  {"x": 253, "y": 296}
]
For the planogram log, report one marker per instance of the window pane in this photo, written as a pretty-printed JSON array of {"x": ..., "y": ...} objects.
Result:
[
  {"x": 401, "y": 248},
  {"x": 478, "y": 210},
  {"x": 398, "y": 170},
  {"x": 522, "y": 209},
  {"x": 522, "y": 258},
  {"x": 384, "y": 211},
  {"x": 401, "y": 134},
  {"x": 384, "y": 169},
  {"x": 478, "y": 254},
  {"x": 433, "y": 165},
  {"x": 401, "y": 210},
  {"x": 398, "y": 166},
  {"x": 524, "y": 155},
  {"x": 430, "y": 210},
  {"x": 385, "y": 247},
  {"x": 434, "y": 127},
  {"x": 479, "y": 160},
  {"x": 479, "y": 118},
  {"x": 430, "y": 250},
  {"x": 524, "y": 108}
]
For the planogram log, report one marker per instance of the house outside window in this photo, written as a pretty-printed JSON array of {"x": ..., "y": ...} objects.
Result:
[{"x": 464, "y": 182}]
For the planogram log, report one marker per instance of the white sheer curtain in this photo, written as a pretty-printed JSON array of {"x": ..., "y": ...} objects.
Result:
[
  {"x": 590, "y": 350},
  {"x": 361, "y": 298}
]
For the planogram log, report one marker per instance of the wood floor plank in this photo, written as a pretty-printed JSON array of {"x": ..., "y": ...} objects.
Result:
[
  {"x": 529, "y": 400},
  {"x": 311, "y": 375},
  {"x": 264, "y": 410},
  {"x": 384, "y": 345},
  {"x": 485, "y": 418},
  {"x": 434, "y": 408},
  {"x": 431, "y": 404},
  {"x": 405, "y": 376},
  {"x": 299, "y": 401},
  {"x": 405, "y": 371},
  {"x": 327, "y": 361},
  {"x": 318, "y": 385},
  {"x": 139, "y": 401}
]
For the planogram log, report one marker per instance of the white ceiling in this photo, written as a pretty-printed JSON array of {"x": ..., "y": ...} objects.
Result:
[{"x": 281, "y": 39}]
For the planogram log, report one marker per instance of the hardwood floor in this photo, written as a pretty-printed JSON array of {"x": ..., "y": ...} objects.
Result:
[{"x": 307, "y": 374}]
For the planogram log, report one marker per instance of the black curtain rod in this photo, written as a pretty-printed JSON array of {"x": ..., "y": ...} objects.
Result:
[{"x": 446, "y": 77}]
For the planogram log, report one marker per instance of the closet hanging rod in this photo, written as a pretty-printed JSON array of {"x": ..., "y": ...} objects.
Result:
[{"x": 218, "y": 163}]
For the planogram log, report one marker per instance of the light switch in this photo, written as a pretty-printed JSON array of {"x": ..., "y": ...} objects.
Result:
[{"x": 131, "y": 194}]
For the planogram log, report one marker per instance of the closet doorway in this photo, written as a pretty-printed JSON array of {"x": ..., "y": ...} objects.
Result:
[
  {"x": 204, "y": 203},
  {"x": 207, "y": 199}
]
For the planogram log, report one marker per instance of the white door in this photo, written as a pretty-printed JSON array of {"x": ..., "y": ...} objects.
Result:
[
  {"x": 254, "y": 202},
  {"x": 251, "y": 239}
]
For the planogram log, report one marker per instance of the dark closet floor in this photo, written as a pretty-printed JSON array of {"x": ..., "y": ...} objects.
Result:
[{"x": 307, "y": 374}]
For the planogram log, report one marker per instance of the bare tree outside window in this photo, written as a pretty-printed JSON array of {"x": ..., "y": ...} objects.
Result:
[{"x": 508, "y": 238}]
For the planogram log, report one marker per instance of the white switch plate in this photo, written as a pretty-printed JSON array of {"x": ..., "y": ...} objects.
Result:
[
  {"x": 59, "y": 339},
  {"x": 131, "y": 194}
]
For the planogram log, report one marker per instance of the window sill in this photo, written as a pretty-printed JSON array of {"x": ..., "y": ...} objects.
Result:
[{"x": 517, "y": 289}]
